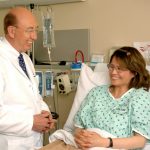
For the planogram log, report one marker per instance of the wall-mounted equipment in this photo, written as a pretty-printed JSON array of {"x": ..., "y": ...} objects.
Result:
[
  {"x": 39, "y": 76},
  {"x": 78, "y": 63},
  {"x": 63, "y": 83},
  {"x": 45, "y": 82},
  {"x": 12, "y": 3},
  {"x": 48, "y": 78},
  {"x": 97, "y": 58}
]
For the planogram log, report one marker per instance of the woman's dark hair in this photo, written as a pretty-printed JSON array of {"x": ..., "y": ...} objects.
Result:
[
  {"x": 132, "y": 59},
  {"x": 9, "y": 20}
]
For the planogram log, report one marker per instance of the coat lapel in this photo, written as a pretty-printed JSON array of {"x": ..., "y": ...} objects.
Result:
[{"x": 14, "y": 62}]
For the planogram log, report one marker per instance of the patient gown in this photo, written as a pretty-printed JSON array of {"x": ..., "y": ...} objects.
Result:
[{"x": 120, "y": 117}]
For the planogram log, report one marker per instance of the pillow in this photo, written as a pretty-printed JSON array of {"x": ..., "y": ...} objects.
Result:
[
  {"x": 101, "y": 67},
  {"x": 87, "y": 80}
]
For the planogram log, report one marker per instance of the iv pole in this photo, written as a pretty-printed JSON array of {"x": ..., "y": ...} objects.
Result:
[{"x": 32, "y": 49}]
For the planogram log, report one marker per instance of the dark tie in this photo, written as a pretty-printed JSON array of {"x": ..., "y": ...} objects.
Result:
[{"x": 22, "y": 64}]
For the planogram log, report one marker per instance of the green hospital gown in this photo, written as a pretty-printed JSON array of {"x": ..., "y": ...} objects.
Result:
[{"x": 119, "y": 117}]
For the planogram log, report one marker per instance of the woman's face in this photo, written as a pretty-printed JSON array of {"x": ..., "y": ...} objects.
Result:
[{"x": 120, "y": 76}]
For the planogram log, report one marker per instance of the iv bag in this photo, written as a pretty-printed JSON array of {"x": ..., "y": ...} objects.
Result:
[{"x": 48, "y": 32}]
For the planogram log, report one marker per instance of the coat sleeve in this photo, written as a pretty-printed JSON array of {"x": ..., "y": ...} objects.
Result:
[{"x": 44, "y": 106}]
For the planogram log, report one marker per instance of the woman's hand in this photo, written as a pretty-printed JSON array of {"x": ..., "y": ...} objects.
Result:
[{"x": 87, "y": 139}]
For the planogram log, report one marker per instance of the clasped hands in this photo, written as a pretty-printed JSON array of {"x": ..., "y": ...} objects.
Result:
[
  {"x": 43, "y": 122},
  {"x": 87, "y": 139}
]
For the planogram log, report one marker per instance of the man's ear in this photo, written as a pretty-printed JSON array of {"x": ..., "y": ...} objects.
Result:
[{"x": 11, "y": 31}]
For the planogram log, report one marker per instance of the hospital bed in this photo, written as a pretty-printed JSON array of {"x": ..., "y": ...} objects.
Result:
[{"x": 88, "y": 79}]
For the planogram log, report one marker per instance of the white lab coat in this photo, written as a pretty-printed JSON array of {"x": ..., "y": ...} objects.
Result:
[{"x": 19, "y": 101}]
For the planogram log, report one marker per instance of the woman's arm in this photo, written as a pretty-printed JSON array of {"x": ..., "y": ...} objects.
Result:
[
  {"x": 136, "y": 141},
  {"x": 88, "y": 139}
]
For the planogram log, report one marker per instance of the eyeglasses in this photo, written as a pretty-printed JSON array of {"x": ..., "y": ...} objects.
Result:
[
  {"x": 29, "y": 30},
  {"x": 119, "y": 69}
]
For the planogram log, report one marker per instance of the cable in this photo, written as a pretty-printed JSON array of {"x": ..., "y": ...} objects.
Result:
[
  {"x": 54, "y": 99},
  {"x": 49, "y": 54}
]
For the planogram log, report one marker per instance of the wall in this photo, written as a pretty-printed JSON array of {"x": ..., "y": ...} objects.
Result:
[
  {"x": 2, "y": 13},
  {"x": 111, "y": 22}
]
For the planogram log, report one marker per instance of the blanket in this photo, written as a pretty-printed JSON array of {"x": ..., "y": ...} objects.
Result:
[{"x": 68, "y": 138}]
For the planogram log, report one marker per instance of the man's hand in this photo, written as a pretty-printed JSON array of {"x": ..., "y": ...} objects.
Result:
[
  {"x": 43, "y": 122},
  {"x": 52, "y": 121}
]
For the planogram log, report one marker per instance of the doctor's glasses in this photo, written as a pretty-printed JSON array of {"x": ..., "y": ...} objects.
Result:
[{"x": 29, "y": 30}]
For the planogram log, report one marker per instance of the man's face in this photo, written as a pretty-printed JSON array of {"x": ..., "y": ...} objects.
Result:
[{"x": 25, "y": 33}]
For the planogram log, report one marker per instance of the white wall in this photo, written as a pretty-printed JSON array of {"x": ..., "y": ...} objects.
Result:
[{"x": 111, "y": 22}]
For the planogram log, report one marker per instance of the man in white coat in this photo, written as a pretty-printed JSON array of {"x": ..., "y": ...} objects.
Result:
[{"x": 23, "y": 114}]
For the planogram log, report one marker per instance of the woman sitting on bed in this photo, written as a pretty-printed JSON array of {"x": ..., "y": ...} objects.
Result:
[{"x": 121, "y": 108}]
